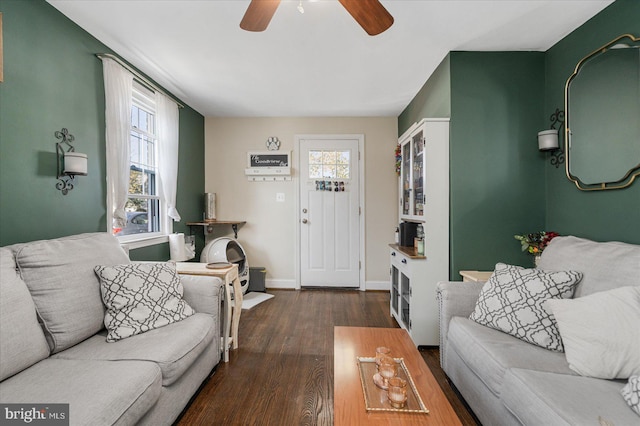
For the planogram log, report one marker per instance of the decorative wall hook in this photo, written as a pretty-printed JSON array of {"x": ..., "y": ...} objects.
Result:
[{"x": 69, "y": 163}]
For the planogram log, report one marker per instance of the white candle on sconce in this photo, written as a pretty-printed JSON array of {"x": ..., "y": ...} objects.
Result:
[
  {"x": 548, "y": 140},
  {"x": 75, "y": 163}
]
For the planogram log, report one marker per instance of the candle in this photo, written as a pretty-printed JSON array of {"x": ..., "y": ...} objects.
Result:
[{"x": 381, "y": 352}]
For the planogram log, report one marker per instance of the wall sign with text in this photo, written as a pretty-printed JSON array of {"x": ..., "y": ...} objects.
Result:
[{"x": 268, "y": 163}]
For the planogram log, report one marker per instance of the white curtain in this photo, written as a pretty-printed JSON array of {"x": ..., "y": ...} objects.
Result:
[
  {"x": 118, "y": 84},
  {"x": 168, "y": 132}
]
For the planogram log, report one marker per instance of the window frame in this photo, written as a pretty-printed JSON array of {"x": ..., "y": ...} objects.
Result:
[{"x": 144, "y": 98}]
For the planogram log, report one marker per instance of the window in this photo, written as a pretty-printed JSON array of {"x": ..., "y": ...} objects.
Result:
[
  {"x": 329, "y": 164},
  {"x": 142, "y": 143},
  {"x": 144, "y": 215}
]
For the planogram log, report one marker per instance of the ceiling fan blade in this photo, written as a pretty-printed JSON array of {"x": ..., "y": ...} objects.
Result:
[
  {"x": 259, "y": 14},
  {"x": 370, "y": 14}
]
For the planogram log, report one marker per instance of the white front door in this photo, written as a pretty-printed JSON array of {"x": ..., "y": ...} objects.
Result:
[{"x": 329, "y": 191}]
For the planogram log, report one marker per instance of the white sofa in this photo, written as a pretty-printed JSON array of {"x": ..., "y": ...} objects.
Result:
[
  {"x": 53, "y": 345},
  {"x": 507, "y": 381}
]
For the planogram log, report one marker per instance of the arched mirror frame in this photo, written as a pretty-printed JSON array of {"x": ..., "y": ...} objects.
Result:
[{"x": 634, "y": 172}]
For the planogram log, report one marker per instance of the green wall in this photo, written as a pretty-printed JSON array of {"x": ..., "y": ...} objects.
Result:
[
  {"x": 500, "y": 184},
  {"x": 497, "y": 176},
  {"x": 496, "y": 171},
  {"x": 433, "y": 100},
  {"x": 598, "y": 215},
  {"x": 53, "y": 80}
]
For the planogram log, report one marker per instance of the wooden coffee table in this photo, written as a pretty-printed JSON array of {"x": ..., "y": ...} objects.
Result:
[{"x": 348, "y": 399}]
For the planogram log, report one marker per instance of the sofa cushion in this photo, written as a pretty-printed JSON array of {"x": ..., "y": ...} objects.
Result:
[
  {"x": 604, "y": 266},
  {"x": 22, "y": 340},
  {"x": 140, "y": 297},
  {"x": 490, "y": 353},
  {"x": 512, "y": 301},
  {"x": 173, "y": 348},
  {"x": 601, "y": 332},
  {"x": 66, "y": 291},
  {"x": 99, "y": 392},
  {"x": 541, "y": 398}
]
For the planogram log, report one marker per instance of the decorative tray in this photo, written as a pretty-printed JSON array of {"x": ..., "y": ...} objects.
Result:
[{"x": 375, "y": 399}]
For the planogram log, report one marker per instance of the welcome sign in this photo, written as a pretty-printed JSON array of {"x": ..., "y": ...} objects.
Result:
[
  {"x": 268, "y": 166},
  {"x": 268, "y": 159}
]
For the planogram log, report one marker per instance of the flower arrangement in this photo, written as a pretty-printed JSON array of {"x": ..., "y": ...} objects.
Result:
[{"x": 536, "y": 242}]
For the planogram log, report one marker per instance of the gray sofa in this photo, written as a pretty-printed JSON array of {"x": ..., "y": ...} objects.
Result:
[
  {"x": 53, "y": 345},
  {"x": 507, "y": 381}
]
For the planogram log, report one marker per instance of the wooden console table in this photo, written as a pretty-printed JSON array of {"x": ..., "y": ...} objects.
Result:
[
  {"x": 475, "y": 275},
  {"x": 209, "y": 225},
  {"x": 231, "y": 317}
]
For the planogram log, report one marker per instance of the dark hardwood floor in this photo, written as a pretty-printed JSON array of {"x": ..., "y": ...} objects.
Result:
[{"x": 282, "y": 373}]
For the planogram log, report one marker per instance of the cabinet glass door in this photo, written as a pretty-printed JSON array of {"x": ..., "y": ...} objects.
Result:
[
  {"x": 404, "y": 301},
  {"x": 395, "y": 288},
  {"x": 418, "y": 174},
  {"x": 406, "y": 178}
]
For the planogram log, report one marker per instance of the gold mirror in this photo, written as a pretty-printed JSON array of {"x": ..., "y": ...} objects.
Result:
[{"x": 602, "y": 113}]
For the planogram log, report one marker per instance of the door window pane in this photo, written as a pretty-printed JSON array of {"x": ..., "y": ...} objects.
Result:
[{"x": 329, "y": 164}]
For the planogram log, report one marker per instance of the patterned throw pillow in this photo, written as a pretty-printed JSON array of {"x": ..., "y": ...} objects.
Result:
[
  {"x": 140, "y": 297},
  {"x": 512, "y": 301},
  {"x": 631, "y": 393}
]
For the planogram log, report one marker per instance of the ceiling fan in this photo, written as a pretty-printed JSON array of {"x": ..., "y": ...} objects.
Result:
[{"x": 370, "y": 14}]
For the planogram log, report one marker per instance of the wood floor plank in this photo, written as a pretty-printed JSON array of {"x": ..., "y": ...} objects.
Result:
[{"x": 282, "y": 372}]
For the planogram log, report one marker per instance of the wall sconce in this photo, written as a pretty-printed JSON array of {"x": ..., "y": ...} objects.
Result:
[
  {"x": 548, "y": 139},
  {"x": 69, "y": 163}
]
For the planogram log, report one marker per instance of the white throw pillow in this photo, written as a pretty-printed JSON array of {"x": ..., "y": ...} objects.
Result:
[
  {"x": 601, "y": 332},
  {"x": 512, "y": 301},
  {"x": 140, "y": 297}
]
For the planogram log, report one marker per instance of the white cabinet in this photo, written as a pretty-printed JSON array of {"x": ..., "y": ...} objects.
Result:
[
  {"x": 413, "y": 297},
  {"x": 424, "y": 197},
  {"x": 421, "y": 140}
]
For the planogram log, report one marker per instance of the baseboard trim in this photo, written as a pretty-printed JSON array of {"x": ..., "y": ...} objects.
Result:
[
  {"x": 280, "y": 283},
  {"x": 378, "y": 286},
  {"x": 291, "y": 284}
]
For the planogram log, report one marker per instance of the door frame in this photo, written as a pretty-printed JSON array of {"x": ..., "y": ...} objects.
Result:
[{"x": 361, "y": 200}]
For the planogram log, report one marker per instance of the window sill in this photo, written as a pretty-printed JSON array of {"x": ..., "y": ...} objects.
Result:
[{"x": 132, "y": 244}]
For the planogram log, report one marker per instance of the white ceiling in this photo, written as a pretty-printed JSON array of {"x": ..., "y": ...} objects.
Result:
[{"x": 320, "y": 63}]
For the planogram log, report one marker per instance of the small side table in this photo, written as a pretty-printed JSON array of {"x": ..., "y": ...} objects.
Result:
[
  {"x": 231, "y": 317},
  {"x": 475, "y": 275}
]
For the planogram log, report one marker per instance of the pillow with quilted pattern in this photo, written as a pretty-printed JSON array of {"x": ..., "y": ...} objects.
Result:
[
  {"x": 140, "y": 297},
  {"x": 512, "y": 301},
  {"x": 631, "y": 393}
]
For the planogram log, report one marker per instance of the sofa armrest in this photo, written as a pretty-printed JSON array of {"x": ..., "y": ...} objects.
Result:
[
  {"x": 203, "y": 293},
  {"x": 455, "y": 299}
]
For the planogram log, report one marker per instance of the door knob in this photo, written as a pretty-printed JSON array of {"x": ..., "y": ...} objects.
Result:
[{"x": 304, "y": 220}]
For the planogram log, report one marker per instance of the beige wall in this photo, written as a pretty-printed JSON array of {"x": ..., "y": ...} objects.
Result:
[{"x": 269, "y": 236}]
